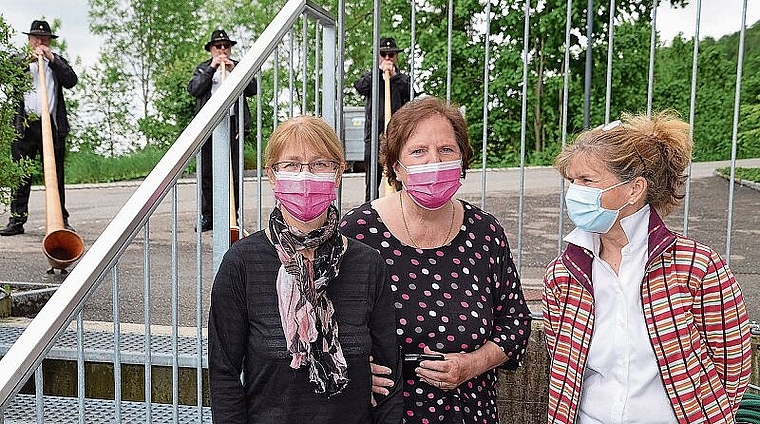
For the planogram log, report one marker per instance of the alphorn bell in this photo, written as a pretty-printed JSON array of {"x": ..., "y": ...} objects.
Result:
[
  {"x": 234, "y": 227},
  {"x": 388, "y": 189},
  {"x": 61, "y": 246}
]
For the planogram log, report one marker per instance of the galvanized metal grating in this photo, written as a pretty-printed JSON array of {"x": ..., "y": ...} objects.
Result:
[
  {"x": 99, "y": 347},
  {"x": 62, "y": 410}
]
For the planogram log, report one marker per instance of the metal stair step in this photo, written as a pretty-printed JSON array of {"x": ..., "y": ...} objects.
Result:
[
  {"x": 99, "y": 344},
  {"x": 62, "y": 410}
]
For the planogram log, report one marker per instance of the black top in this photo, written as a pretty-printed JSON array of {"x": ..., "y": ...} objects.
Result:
[
  {"x": 452, "y": 299},
  {"x": 200, "y": 88},
  {"x": 400, "y": 95},
  {"x": 245, "y": 334},
  {"x": 65, "y": 77}
]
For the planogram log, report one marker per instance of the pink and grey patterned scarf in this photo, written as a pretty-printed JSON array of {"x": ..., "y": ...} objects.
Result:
[{"x": 306, "y": 312}]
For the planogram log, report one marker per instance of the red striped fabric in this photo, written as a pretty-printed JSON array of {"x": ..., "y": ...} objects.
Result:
[{"x": 695, "y": 316}]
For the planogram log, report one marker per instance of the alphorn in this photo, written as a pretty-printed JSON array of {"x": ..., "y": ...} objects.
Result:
[
  {"x": 388, "y": 189},
  {"x": 62, "y": 247},
  {"x": 234, "y": 227}
]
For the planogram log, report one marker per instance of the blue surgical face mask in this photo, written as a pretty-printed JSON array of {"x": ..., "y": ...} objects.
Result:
[{"x": 584, "y": 206}]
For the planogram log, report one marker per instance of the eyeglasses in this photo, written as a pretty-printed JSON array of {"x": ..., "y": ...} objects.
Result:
[
  {"x": 319, "y": 166},
  {"x": 223, "y": 45},
  {"x": 389, "y": 55}
]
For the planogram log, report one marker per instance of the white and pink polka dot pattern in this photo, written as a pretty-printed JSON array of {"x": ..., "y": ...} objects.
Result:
[{"x": 453, "y": 299}]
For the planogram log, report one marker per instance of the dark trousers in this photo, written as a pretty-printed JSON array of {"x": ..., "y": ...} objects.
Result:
[
  {"x": 29, "y": 146},
  {"x": 207, "y": 181},
  {"x": 367, "y": 177}
]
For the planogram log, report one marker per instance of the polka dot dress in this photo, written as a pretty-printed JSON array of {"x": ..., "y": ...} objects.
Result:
[{"x": 452, "y": 299}]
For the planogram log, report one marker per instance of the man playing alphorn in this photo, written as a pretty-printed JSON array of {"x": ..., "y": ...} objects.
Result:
[
  {"x": 399, "y": 95},
  {"x": 28, "y": 126}
]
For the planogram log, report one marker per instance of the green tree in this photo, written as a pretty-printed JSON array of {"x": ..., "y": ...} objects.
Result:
[
  {"x": 105, "y": 104},
  {"x": 144, "y": 37},
  {"x": 716, "y": 85},
  {"x": 14, "y": 81}
]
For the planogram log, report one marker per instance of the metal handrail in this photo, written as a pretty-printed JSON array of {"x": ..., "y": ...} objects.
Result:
[{"x": 35, "y": 342}]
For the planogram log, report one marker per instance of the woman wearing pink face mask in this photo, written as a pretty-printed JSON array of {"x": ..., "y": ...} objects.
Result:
[
  {"x": 298, "y": 308},
  {"x": 458, "y": 295}
]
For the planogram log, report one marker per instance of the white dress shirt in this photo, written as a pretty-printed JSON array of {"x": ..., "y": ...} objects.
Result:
[
  {"x": 32, "y": 98},
  {"x": 216, "y": 82},
  {"x": 621, "y": 381}
]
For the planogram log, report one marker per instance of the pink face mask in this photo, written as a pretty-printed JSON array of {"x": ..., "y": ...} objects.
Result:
[
  {"x": 304, "y": 195},
  {"x": 432, "y": 185}
]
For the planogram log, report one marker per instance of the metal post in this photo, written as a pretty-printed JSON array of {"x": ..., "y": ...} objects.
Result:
[
  {"x": 371, "y": 172},
  {"x": 523, "y": 120},
  {"x": 259, "y": 156},
  {"x": 175, "y": 292},
  {"x": 412, "y": 47},
  {"x": 116, "y": 344},
  {"x": 608, "y": 92},
  {"x": 80, "y": 368},
  {"x": 589, "y": 65},
  {"x": 147, "y": 342},
  {"x": 692, "y": 108},
  {"x": 734, "y": 133},
  {"x": 220, "y": 170},
  {"x": 304, "y": 63},
  {"x": 291, "y": 82},
  {"x": 449, "y": 32},
  {"x": 652, "y": 47},
  {"x": 486, "y": 77},
  {"x": 565, "y": 94}
]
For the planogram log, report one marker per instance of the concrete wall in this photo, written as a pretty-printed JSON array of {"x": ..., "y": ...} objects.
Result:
[
  {"x": 523, "y": 393},
  {"x": 60, "y": 379}
]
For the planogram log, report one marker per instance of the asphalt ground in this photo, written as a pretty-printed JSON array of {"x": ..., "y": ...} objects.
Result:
[{"x": 93, "y": 206}]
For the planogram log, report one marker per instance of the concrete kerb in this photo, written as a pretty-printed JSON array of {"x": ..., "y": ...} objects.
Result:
[{"x": 746, "y": 183}]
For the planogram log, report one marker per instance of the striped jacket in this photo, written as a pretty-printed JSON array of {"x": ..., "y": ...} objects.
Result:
[{"x": 694, "y": 314}]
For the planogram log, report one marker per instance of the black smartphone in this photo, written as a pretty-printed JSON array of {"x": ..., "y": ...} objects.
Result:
[{"x": 412, "y": 361}]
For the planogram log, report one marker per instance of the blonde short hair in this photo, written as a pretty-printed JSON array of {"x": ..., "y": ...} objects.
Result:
[
  {"x": 658, "y": 149},
  {"x": 308, "y": 131}
]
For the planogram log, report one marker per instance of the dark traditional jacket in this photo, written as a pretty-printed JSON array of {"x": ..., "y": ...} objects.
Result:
[
  {"x": 200, "y": 87},
  {"x": 400, "y": 95},
  {"x": 65, "y": 77},
  {"x": 694, "y": 313}
]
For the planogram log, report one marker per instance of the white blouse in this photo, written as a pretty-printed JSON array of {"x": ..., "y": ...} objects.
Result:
[
  {"x": 32, "y": 101},
  {"x": 621, "y": 381}
]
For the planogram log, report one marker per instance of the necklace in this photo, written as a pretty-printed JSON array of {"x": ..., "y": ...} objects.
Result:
[{"x": 406, "y": 227}]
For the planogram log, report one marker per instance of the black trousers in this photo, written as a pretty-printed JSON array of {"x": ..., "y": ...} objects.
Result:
[
  {"x": 207, "y": 181},
  {"x": 29, "y": 146},
  {"x": 367, "y": 177}
]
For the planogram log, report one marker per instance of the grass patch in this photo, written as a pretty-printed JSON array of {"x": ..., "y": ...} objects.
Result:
[
  {"x": 89, "y": 167},
  {"x": 748, "y": 174}
]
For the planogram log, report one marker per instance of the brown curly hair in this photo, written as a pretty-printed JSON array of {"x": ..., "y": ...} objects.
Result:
[
  {"x": 657, "y": 148},
  {"x": 404, "y": 122}
]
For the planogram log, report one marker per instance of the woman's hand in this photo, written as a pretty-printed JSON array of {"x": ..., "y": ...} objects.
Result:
[
  {"x": 379, "y": 383},
  {"x": 455, "y": 369}
]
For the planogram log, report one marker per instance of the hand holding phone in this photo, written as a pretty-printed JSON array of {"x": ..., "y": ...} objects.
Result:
[{"x": 412, "y": 361}]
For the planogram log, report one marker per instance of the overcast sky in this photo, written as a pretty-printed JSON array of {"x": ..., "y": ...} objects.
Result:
[{"x": 719, "y": 17}]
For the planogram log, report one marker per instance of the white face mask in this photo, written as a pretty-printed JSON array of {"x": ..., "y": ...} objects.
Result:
[{"x": 584, "y": 206}]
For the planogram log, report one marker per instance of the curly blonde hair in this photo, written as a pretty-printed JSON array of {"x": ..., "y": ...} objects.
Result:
[{"x": 658, "y": 149}]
